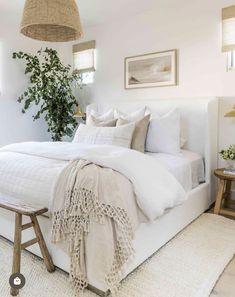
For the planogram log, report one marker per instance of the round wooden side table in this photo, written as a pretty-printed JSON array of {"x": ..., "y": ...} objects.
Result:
[{"x": 223, "y": 201}]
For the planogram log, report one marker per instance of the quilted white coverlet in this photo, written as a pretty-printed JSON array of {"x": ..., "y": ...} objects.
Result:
[{"x": 29, "y": 171}]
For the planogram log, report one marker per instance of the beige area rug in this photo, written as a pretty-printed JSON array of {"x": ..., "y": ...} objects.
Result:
[{"x": 188, "y": 266}]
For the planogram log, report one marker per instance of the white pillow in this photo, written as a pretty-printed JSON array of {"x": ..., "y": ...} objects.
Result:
[
  {"x": 120, "y": 136},
  {"x": 164, "y": 133},
  {"x": 93, "y": 121},
  {"x": 131, "y": 117},
  {"x": 107, "y": 116}
]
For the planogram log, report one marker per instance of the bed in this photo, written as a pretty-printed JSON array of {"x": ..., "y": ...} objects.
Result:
[
  {"x": 193, "y": 169},
  {"x": 187, "y": 167}
]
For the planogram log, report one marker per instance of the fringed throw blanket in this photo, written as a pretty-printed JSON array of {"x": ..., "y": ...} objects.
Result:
[{"x": 86, "y": 193}]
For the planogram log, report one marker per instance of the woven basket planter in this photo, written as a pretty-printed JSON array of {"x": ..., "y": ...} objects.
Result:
[{"x": 51, "y": 20}]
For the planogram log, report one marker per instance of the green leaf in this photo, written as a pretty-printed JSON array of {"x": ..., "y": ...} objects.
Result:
[{"x": 51, "y": 89}]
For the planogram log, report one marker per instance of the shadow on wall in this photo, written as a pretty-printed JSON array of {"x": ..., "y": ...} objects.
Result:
[{"x": 16, "y": 126}]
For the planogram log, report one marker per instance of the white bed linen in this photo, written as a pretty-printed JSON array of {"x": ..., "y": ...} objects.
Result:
[
  {"x": 187, "y": 167},
  {"x": 150, "y": 179},
  {"x": 29, "y": 178}
]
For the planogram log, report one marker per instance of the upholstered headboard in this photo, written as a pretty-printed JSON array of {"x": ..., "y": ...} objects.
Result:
[{"x": 199, "y": 118}]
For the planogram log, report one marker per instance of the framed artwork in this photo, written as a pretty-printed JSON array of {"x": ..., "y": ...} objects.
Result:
[{"x": 151, "y": 70}]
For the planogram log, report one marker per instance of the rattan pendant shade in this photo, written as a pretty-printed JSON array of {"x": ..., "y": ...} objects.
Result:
[{"x": 51, "y": 20}]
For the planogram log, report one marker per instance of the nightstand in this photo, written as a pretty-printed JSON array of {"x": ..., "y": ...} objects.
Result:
[{"x": 223, "y": 201}]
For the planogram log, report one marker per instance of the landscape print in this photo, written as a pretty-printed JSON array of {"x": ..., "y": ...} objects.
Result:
[{"x": 151, "y": 70}]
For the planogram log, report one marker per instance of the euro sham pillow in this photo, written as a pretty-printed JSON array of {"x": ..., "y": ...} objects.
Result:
[
  {"x": 118, "y": 136},
  {"x": 140, "y": 132},
  {"x": 131, "y": 117},
  {"x": 107, "y": 116},
  {"x": 164, "y": 133},
  {"x": 93, "y": 121}
]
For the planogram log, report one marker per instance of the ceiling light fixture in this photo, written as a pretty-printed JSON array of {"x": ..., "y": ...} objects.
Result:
[{"x": 51, "y": 20}]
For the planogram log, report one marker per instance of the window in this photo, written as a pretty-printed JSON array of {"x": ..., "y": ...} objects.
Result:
[
  {"x": 87, "y": 78},
  {"x": 231, "y": 60},
  {"x": 228, "y": 36},
  {"x": 84, "y": 61}
]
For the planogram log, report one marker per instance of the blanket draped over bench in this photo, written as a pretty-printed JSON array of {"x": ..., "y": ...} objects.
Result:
[{"x": 100, "y": 196}]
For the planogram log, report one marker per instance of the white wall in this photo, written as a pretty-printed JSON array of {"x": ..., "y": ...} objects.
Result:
[
  {"x": 15, "y": 126},
  {"x": 192, "y": 27},
  {"x": 226, "y": 126}
]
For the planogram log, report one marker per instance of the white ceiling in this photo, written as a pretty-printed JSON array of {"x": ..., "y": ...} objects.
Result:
[{"x": 93, "y": 12}]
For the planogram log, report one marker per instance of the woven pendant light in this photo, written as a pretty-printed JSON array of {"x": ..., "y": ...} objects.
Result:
[{"x": 51, "y": 20}]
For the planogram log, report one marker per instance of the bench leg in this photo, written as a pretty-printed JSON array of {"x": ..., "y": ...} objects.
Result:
[
  {"x": 17, "y": 249},
  {"x": 45, "y": 253}
]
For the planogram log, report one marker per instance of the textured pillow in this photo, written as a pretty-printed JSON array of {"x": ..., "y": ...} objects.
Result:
[
  {"x": 164, "y": 133},
  {"x": 140, "y": 132},
  {"x": 134, "y": 116},
  {"x": 93, "y": 121},
  {"x": 109, "y": 115},
  {"x": 120, "y": 136}
]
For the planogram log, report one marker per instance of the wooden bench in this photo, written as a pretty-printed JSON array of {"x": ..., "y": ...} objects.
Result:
[{"x": 22, "y": 209}]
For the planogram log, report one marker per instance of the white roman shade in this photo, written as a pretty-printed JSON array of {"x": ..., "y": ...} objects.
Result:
[
  {"x": 84, "y": 57},
  {"x": 228, "y": 30}
]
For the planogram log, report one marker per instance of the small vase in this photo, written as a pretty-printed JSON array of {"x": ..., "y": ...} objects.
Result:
[{"x": 231, "y": 164}]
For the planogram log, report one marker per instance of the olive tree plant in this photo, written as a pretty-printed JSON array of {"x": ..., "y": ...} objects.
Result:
[{"x": 51, "y": 89}]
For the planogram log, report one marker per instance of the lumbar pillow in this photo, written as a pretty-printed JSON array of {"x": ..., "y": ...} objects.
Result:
[
  {"x": 120, "y": 136},
  {"x": 134, "y": 116},
  {"x": 140, "y": 132},
  {"x": 164, "y": 133},
  {"x": 93, "y": 121},
  {"x": 107, "y": 116}
]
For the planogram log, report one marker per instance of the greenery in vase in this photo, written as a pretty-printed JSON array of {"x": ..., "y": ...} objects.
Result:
[
  {"x": 228, "y": 154},
  {"x": 51, "y": 90}
]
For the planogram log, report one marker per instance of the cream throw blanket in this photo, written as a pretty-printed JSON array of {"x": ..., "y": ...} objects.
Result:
[{"x": 83, "y": 196}]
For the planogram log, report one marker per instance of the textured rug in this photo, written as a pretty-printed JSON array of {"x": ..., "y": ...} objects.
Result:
[{"x": 188, "y": 266}]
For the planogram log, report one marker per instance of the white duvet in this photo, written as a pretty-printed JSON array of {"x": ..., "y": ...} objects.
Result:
[{"x": 29, "y": 171}]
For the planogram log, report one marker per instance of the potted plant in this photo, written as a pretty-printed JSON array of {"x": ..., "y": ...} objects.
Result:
[
  {"x": 50, "y": 89},
  {"x": 229, "y": 156}
]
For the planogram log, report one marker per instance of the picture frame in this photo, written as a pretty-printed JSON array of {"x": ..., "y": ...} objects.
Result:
[{"x": 151, "y": 70}]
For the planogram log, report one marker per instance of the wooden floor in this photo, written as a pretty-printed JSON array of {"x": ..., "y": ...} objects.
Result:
[{"x": 225, "y": 286}]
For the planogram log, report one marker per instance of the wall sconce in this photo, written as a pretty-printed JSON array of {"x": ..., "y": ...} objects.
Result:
[
  {"x": 230, "y": 113},
  {"x": 79, "y": 114}
]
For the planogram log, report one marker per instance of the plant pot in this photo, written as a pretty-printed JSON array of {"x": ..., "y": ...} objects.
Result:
[{"x": 231, "y": 164}]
